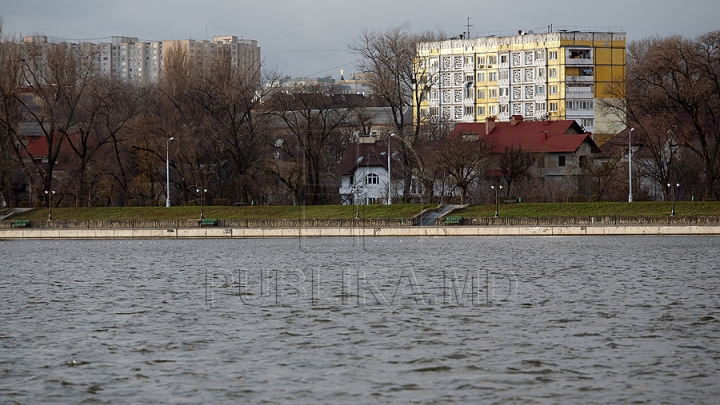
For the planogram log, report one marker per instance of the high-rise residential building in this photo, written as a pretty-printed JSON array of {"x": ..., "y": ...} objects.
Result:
[
  {"x": 141, "y": 62},
  {"x": 556, "y": 76}
]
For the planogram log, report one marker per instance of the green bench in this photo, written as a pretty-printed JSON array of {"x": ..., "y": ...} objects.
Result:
[
  {"x": 453, "y": 220},
  {"x": 208, "y": 222},
  {"x": 21, "y": 223}
]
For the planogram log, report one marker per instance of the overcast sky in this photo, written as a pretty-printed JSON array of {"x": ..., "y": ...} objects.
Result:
[{"x": 310, "y": 37}]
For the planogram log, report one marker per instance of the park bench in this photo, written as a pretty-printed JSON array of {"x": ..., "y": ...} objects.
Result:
[
  {"x": 21, "y": 223},
  {"x": 454, "y": 220},
  {"x": 208, "y": 222}
]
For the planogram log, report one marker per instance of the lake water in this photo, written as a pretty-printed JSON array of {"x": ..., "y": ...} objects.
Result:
[{"x": 512, "y": 320}]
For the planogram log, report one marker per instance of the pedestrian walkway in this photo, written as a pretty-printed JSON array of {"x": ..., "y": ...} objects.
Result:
[
  {"x": 13, "y": 211},
  {"x": 429, "y": 220}
]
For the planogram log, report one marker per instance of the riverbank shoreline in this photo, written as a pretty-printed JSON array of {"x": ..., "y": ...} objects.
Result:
[{"x": 318, "y": 232}]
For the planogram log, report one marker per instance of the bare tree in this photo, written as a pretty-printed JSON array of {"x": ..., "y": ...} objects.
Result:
[
  {"x": 514, "y": 164},
  {"x": 465, "y": 161},
  {"x": 56, "y": 80},
  {"x": 399, "y": 80},
  {"x": 676, "y": 79},
  {"x": 309, "y": 136}
]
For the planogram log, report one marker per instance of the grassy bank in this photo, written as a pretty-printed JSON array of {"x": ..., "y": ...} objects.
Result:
[
  {"x": 620, "y": 209},
  {"x": 253, "y": 212},
  {"x": 396, "y": 211}
]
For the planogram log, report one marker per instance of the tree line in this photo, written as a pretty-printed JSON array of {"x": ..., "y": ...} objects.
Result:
[{"x": 237, "y": 134}]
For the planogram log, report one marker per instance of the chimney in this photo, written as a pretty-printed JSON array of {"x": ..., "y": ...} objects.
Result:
[
  {"x": 489, "y": 125},
  {"x": 515, "y": 119},
  {"x": 543, "y": 135}
]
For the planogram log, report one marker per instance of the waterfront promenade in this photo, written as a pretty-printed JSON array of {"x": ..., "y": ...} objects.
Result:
[{"x": 392, "y": 231}]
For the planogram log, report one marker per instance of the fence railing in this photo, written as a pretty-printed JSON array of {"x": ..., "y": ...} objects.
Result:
[{"x": 372, "y": 222}]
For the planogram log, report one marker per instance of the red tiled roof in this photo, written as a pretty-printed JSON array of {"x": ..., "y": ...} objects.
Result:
[
  {"x": 37, "y": 148},
  {"x": 563, "y": 136}
]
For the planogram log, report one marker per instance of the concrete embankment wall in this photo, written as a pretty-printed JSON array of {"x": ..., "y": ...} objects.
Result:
[{"x": 414, "y": 231}]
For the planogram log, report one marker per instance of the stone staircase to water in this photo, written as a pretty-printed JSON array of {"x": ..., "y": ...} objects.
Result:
[{"x": 429, "y": 220}]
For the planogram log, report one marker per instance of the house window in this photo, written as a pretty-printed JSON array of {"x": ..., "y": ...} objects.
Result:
[
  {"x": 503, "y": 59},
  {"x": 553, "y": 107},
  {"x": 492, "y": 110},
  {"x": 481, "y": 111},
  {"x": 492, "y": 60},
  {"x": 481, "y": 61},
  {"x": 372, "y": 178},
  {"x": 561, "y": 160},
  {"x": 492, "y": 93},
  {"x": 553, "y": 72},
  {"x": 553, "y": 55},
  {"x": 469, "y": 110},
  {"x": 481, "y": 94},
  {"x": 492, "y": 76},
  {"x": 553, "y": 89},
  {"x": 481, "y": 77}
]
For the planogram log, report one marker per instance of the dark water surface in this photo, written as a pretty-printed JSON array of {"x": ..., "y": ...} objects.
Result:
[{"x": 513, "y": 320}]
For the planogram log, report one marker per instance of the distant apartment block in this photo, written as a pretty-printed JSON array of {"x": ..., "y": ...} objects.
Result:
[
  {"x": 556, "y": 76},
  {"x": 141, "y": 62}
]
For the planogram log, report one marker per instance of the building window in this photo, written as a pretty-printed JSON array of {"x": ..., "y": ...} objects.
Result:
[
  {"x": 481, "y": 77},
  {"x": 492, "y": 60},
  {"x": 433, "y": 95},
  {"x": 587, "y": 122},
  {"x": 492, "y": 110},
  {"x": 540, "y": 90},
  {"x": 553, "y": 55},
  {"x": 492, "y": 93},
  {"x": 579, "y": 105},
  {"x": 553, "y": 107},
  {"x": 553, "y": 73},
  {"x": 372, "y": 178},
  {"x": 503, "y": 59},
  {"x": 481, "y": 61},
  {"x": 469, "y": 110},
  {"x": 561, "y": 160},
  {"x": 481, "y": 94},
  {"x": 492, "y": 76},
  {"x": 481, "y": 111},
  {"x": 504, "y": 91},
  {"x": 553, "y": 89}
]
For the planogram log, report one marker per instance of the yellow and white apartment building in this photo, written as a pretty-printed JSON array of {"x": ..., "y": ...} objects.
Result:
[{"x": 555, "y": 76}]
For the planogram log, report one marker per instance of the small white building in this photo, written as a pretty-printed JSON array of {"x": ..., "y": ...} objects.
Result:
[{"x": 364, "y": 174}]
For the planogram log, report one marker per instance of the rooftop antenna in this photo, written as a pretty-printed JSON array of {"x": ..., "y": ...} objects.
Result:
[{"x": 468, "y": 28}]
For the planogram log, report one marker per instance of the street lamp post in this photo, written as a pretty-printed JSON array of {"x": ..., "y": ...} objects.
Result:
[
  {"x": 202, "y": 205},
  {"x": 50, "y": 194},
  {"x": 630, "y": 162},
  {"x": 167, "y": 170},
  {"x": 673, "y": 197},
  {"x": 498, "y": 188},
  {"x": 389, "y": 199}
]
